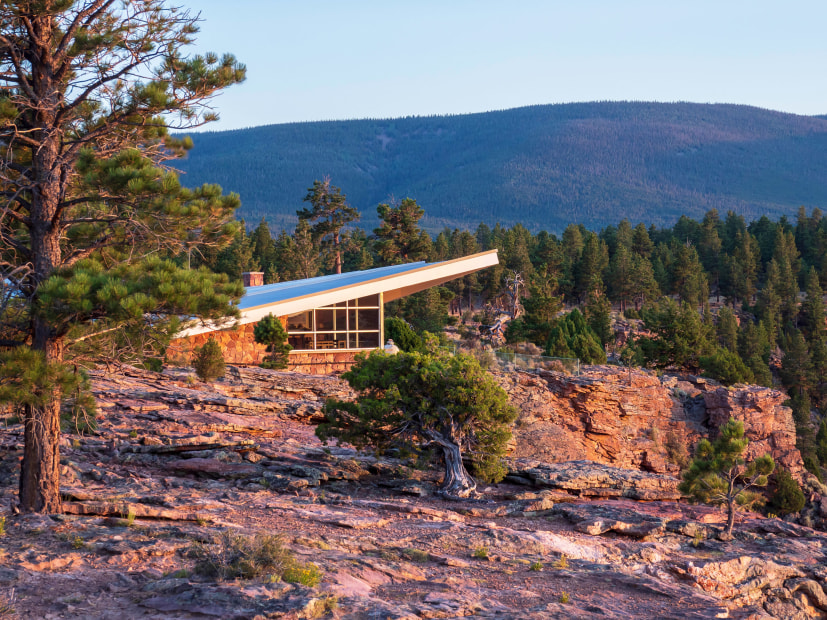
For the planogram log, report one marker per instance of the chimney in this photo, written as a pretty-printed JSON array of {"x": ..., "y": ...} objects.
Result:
[{"x": 252, "y": 278}]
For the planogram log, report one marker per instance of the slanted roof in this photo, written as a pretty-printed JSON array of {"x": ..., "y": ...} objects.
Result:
[{"x": 285, "y": 298}]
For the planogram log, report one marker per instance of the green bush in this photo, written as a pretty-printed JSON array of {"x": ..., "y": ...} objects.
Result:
[
  {"x": 230, "y": 555},
  {"x": 788, "y": 496},
  {"x": 812, "y": 466},
  {"x": 209, "y": 361},
  {"x": 402, "y": 334}
]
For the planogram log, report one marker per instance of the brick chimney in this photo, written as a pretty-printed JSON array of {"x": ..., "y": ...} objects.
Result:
[{"x": 253, "y": 278}]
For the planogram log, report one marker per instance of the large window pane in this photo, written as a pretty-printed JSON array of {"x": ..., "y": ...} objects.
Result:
[
  {"x": 368, "y": 340},
  {"x": 301, "y": 322},
  {"x": 368, "y": 319},
  {"x": 300, "y": 342},
  {"x": 324, "y": 320},
  {"x": 341, "y": 320},
  {"x": 325, "y": 341}
]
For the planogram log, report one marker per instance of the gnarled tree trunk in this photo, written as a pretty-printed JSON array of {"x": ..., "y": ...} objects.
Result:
[{"x": 458, "y": 483}]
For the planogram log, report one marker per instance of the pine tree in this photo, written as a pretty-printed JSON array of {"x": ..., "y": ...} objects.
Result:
[
  {"x": 399, "y": 239},
  {"x": 329, "y": 214},
  {"x": 719, "y": 473},
  {"x": 87, "y": 92},
  {"x": 271, "y": 332},
  {"x": 727, "y": 329}
]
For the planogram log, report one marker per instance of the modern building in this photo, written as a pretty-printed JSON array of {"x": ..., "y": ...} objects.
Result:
[{"x": 329, "y": 319}]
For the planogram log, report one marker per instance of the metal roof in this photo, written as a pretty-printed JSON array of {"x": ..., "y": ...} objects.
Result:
[
  {"x": 286, "y": 298},
  {"x": 281, "y": 291}
]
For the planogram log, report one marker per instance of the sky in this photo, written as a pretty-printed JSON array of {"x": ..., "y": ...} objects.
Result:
[{"x": 310, "y": 60}]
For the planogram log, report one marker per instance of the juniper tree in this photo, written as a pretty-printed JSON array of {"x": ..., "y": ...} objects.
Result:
[
  {"x": 427, "y": 399},
  {"x": 88, "y": 91}
]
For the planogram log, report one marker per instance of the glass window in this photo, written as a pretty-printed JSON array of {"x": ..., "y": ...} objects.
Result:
[
  {"x": 341, "y": 319},
  {"x": 352, "y": 324},
  {"x": 300, "y": 342},
  {"x": 368, "y": 340},
  {"x": 301, "y": 322},
  {"x": 368, "y": 319},
  {"x": 324, "y": 321}
]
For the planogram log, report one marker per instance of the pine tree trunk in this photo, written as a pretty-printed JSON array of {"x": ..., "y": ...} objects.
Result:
[
  {"x": 730, "y": 519},
  {"x": 40, "y": 474},
  {"x": 336, "y": 243},
  {"x": 40, "y": 470},
  {"x": 457, "y": 483}
]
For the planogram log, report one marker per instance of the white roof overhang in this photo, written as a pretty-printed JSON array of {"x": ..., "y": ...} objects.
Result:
[{"x": 392, "y": 285}]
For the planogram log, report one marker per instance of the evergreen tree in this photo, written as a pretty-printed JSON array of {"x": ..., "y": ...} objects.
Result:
[
  {"x": 788, "y": 496},
  {"x": 727, "y": 329},
  {"x": 399, "y": 239},
  {"x": 414, "y": 400},
  {"x": 87, "y": 91},
  {"x": 598, "y": 313},
  {"x": 680, "y": 336},
  {"x": 264, "y": 246},
  {"x": 719, "y": 473},
  {"x": 328, "y": 214},
  {"x": 299, "y": 256},
  {"x": 271, "y": 332},
  {"x": 641, "y": 242}
]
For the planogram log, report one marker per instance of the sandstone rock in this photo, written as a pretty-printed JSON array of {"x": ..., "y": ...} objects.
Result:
[
  {"x": 213, "y": 467},
  {"x": 590, "y": 479},
  {"x": 646, "y": 423}
]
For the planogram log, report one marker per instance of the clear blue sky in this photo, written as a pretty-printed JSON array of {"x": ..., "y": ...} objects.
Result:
[{"x": 342, "y": 59}]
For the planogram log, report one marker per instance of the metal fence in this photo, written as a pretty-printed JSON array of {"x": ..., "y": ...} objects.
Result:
[{"x": 509, "y": 360}]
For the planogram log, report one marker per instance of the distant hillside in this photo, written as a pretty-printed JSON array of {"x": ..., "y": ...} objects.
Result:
[{"x": 543, "y": 166}]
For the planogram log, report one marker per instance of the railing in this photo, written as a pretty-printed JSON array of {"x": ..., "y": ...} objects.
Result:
[{"x": 509, "y": 360}]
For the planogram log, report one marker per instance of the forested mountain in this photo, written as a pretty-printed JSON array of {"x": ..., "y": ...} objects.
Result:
[{"x": 542, "y": 166}]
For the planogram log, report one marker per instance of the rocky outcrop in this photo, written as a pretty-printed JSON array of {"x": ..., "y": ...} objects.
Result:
[
  {"x": 767, "y": 422},
  {"x": 638, "y": 420}
]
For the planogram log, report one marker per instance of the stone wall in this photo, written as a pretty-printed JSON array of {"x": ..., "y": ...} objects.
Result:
[{"x": 241, "y": 349}]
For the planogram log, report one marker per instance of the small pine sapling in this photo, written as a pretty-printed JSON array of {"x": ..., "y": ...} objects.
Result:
[
  {"x": 719, "y": 473},
  {"x": 271, "y": 332},
  {"x": 209, "y": 361}
]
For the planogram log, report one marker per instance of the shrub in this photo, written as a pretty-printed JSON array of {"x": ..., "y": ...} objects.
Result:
[
  {"x": 306, "y": 574},
  {"x": 402, "y": 334},
  {"x": 788, "y": 496},
  {"x": 416, "y": 555},
  {"x": 676, "y": 450},
  {"x": 209, "y": 361},
  {"x": 231, "y": 555},
  {"x": 536, "y": 566},
  {"x": 271, "y": 332},
  {"x": 481, "y": 553},
  {"x": 812, "y": 466}
]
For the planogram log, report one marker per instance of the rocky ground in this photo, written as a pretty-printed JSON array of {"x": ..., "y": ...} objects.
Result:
[{"x": 174, "y": 462}]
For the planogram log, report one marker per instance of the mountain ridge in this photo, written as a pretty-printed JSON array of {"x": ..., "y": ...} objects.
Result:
[{"x": 543, "y": 166}]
